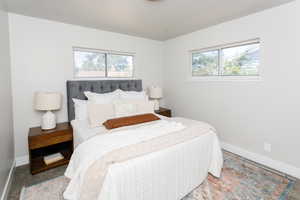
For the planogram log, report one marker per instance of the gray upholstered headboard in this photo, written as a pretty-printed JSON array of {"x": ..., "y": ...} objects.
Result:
[{"x": 76, "y": 89}]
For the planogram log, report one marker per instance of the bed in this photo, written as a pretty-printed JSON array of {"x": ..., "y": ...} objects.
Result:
[{"x": 169, "y": 173}]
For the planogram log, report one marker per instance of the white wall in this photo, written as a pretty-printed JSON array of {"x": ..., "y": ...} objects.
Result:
[
  {"x": 6, "y": 121},
  {"x": 246, "y": 113},
  {"x": 42, "y": 59}
]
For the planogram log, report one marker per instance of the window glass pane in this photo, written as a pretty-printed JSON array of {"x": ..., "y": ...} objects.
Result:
[
  {"x": 89, "y": 64},
  {"x": 241, "y": 60},
  {"x": 205, "y": 63},
  {"x": 119, "y": 65}
]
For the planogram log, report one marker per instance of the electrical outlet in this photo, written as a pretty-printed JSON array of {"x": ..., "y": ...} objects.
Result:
[{"x": 267, "y": 147}]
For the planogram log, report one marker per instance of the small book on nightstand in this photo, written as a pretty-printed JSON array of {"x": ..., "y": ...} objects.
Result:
[{"x": 53, "y": 158}]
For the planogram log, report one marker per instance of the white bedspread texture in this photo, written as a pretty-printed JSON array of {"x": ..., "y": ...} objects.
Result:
[{"x": 165, "y": 175}]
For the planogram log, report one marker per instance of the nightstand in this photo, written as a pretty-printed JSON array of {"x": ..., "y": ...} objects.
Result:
[
  {"x": 42, "y": 143},
  {"x": 164, "y": 111}
]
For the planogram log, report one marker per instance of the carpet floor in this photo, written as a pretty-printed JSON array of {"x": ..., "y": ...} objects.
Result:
[{"x": 241, "y": 179}]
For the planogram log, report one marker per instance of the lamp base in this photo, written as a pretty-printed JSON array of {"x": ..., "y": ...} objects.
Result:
[
  {"x": 156, "y": 104},
  {"x": 48, "y": 121}
]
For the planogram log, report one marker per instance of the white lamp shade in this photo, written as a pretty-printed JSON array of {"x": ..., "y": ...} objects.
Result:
[
  {"x": 155, "y": 92},
  {"x": 47, "y": 101}
]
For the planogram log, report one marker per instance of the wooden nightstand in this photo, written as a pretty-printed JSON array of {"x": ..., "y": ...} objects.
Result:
[
  {"x": 164, "y": 111},
  {"x": 42, "y": 143}
]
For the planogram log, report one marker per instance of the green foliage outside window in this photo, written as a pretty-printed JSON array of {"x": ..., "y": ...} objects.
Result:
[
  {"x": 98, "y": 64},
  {"x": 205, "y": 63},
  {"x": 240, "y": 60}
]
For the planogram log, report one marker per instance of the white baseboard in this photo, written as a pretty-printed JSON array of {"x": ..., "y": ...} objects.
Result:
[
  {"x": 264, "y": 160},
  {"x": 8, "y": 182},
  {"x": 22, "y": 160}
]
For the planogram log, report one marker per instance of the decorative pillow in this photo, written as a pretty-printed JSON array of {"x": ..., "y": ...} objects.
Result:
[
  {"x": 80, "y": 107},
  {"x": 133, "y": 95},
  {"x": 145, "y": 107},
  {"x": 99, "y": 113},
  {"x": 102, "y": 98},
  {"x": 123, "y": 109},
  {"x": 128, "y": 121}
]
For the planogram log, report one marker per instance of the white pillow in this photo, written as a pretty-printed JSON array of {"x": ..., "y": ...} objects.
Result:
[
  {"x": 99, "y": 113},
  {"x": 133, "y": 95},
  {"x": 102, "y": 98},
  {"x": 80, "y": 107},
  {"x": 123, "y": 109},
  {"x": 144, "y": 107}
]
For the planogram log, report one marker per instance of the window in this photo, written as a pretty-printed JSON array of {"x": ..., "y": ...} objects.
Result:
[
  {"x": 205, "y": 63},
  {"x": 239, "y": 59},
  {"x": 97, "y": 63}
]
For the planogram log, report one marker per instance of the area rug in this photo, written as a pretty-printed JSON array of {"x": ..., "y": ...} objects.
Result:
[{"x": 240, "y": 180}]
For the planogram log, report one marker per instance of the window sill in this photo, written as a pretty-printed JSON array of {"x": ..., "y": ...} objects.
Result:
[{"x": 224, "y": 78}]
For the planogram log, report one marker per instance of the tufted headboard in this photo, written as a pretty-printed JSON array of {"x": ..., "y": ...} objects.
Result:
[{"x": 76, "y": 89}]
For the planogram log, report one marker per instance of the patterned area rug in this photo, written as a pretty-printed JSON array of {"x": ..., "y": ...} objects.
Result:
[{"x": 240, "y": 180}]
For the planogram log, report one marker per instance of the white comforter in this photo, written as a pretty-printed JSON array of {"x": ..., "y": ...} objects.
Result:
[{"x": 165, "y": 175}]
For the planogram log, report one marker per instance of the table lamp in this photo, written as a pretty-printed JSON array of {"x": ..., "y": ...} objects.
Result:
[
  {"x": 48, "y": 101},
  {"x": 156, "y": 94}
]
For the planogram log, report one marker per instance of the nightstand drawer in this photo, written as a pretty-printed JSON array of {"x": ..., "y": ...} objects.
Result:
[
  {"x": 164, "y": 111},
  {"x": 49, "y": 139}
]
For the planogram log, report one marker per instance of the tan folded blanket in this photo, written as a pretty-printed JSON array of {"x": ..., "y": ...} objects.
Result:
[{"x": 131, "y": 120}]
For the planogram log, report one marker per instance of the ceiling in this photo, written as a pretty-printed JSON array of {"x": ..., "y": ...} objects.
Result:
[{"x": 159, "y": 19}]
